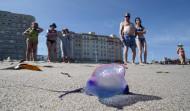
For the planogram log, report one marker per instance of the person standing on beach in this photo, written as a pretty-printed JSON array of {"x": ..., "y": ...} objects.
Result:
[
  {"x": 141, "y": 42},
  {"x": 51, "y": 41},
  {"x": 32, "y": 41},
  {"x": 127, "y": 34},
  {"x": 66, "y": 45},
  {"x": 181, "y": 53}
]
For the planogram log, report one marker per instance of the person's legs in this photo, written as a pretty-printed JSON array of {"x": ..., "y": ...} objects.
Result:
[
  {"x": 68, "y": 59},
  {"x": 140, "y": 50},
  {"x": 125, "y": 54},
  {"x": 49, "y": 49},
  {"x": 145, "y": 50},
  {"x": 54, "y": 50},
  {"x": 35, "y": 45},
  {"x": 183, "y": 59},
  {"x": 133, "y": 54},
  {"x": 28, "y": 50}
]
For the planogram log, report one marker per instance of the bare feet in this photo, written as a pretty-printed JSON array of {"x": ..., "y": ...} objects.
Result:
[{"x": 133, "y": 63}]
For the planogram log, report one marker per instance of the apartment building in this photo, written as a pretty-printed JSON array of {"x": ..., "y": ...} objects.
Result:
[
  {"x": 96, "y": 48},
  {"x": 12, "y": 39}
]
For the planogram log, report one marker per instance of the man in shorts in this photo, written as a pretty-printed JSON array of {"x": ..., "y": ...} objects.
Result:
[{"x": 127, "y": 34}]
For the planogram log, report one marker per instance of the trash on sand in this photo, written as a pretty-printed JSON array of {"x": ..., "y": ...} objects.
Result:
[
  {"x": 161, "y": 72},
  {"x": 107, "y": 80},
  {"x": 8, "y": 58},
  {"x": 48, "y": 66},
  {"x": 23, "y": 66},
  {"x": 66, "y": 74}
]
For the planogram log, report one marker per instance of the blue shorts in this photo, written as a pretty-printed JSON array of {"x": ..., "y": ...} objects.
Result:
[{"x": 129, "y": 41}]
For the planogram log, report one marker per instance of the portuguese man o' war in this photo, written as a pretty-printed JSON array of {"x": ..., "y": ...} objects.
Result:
[{"x": 107, "y": 80}]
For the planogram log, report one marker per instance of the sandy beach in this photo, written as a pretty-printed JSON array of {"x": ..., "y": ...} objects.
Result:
[{"x": 152, "y": 87}]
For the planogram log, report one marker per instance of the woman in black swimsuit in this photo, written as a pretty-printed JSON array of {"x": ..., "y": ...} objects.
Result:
[{"x": 51, "y": 41}]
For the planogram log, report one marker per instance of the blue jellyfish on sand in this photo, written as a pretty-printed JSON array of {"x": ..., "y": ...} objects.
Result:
[{"x": 107, "y": 80}]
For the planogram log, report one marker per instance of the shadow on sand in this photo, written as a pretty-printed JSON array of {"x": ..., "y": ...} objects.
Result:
[
  {"x": 117, "y": 101},
  {"x": 120, "y": 101}
]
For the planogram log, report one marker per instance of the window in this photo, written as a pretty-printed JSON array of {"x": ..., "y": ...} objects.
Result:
[
  {"x": 2, "y": 31},
  {"x": 2, "y": 27},
  {"x": 8, "y": 28},
  {"x": 18, "y": 33},
  {"x": 11, "y": 41},
  {"x": 12, "y": 33}
]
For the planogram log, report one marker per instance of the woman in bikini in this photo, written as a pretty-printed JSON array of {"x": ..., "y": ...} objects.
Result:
[
  {"x": 66, "y": 44},
  {"x": 51, "y": 41},
  {"x": 181, "y": 53},
  {"x": 141, "y": 42},
  {"x": 32, "y": 41}
]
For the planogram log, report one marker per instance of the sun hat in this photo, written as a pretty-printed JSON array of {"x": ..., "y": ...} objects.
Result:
[
  {"x": 53, "y": 25},
  {"x": 180, "y": 44}
]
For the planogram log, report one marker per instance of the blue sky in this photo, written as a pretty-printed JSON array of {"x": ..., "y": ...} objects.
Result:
[{"x": 166, "y": 21}]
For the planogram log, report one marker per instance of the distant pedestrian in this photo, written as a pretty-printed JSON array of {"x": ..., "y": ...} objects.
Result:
[
  {"x": 32, "y": 41},
  {"x": 127, "y": 34},
  {"x": 141, "y": 41},
  {"x": 51, "y": 41},
  {"x": 181, "y": 53},
  {"x": 66, "y": 44}
]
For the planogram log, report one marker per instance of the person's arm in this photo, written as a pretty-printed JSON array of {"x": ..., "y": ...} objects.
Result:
[
  {"x": 178, "y": 51},
  {"x": 49, "y": 34},
  {"x": 121, "y": 31},
  {"x": 136, "y": 32},
  {"x": 40, "y": 29},
  {"x": 142, "y": 32},
  {"x": 56, "y": 33},
  {"x": 27, "y": 32}
]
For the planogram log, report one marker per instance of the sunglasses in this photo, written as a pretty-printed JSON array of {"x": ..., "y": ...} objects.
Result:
[{"x": 127, "y": 16}]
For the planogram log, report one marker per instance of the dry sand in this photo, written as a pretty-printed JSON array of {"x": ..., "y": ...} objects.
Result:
[{"x": 42, "y": 90}]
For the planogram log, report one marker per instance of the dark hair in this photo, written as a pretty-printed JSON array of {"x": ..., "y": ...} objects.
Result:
[
  {"x": 67, "y": 30},
  {"x": 140, "y": 21}
]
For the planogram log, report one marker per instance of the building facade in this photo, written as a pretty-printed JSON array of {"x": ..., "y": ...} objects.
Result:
[
  {"x": 96, "y": 48},
  {"x": 12, "y": 38}
]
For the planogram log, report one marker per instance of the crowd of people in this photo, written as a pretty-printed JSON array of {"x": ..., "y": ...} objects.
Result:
[
  {"x": 32, "y": 42},
  {"x": 131, "y": 36}
]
